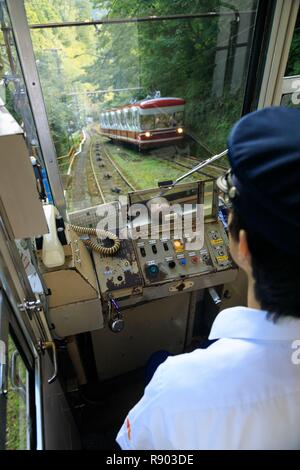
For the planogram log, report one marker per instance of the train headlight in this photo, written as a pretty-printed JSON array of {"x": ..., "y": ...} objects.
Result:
[
  {"x": 179, "y": 130},
  {"x": 147, "y": 134}
]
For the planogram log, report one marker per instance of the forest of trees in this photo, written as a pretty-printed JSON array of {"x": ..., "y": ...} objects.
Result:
[
  {"x": 61, "y": 55},
  {"x": 176, "y": 57},
  {"x": 86, "y": 69}
]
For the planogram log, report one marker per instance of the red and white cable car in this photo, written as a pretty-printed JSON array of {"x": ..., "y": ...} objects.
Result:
[{"x": 147, "y": 123}]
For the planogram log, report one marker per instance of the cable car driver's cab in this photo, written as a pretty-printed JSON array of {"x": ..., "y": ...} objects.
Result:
[{"x": 88, "y": 294}]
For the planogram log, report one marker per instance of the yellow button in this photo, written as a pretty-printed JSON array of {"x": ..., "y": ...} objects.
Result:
[
  {"x": 218, "y": 241},
  {"x": 220, "y": 259}
]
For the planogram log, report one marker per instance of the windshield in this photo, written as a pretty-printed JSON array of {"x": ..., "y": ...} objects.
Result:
[{"x": 148, "y": 88}]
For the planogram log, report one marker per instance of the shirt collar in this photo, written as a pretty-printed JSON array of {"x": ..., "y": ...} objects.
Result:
[{"x": 249, "y": 323}]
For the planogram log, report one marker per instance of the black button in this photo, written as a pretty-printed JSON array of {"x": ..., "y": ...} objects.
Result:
[
  {"x": 166, "y": 246},
  {"x": 154, "y": 249},
  {"x": 172, "y": 264},
  {"x": 120, "y": 278},
  {"x": 143, "y": 252}
]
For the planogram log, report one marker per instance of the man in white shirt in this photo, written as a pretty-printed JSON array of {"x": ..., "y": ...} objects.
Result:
[{"x": 243, "y": 392}]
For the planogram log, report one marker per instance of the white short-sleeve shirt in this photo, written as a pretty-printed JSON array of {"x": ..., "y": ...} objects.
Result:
[{"x": 243, "y": 392}]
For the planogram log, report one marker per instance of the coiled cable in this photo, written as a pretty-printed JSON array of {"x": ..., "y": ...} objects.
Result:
[{"x": 99, "y": 233}]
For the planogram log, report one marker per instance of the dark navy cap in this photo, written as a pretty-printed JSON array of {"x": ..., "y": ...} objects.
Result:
[{"x": 264, "y": 153}]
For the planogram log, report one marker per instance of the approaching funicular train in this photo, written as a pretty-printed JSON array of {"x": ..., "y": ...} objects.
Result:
[{"x": 147, "y": 123}]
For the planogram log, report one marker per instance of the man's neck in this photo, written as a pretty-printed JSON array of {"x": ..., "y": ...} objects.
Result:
[{"x": 252, "y": 302}]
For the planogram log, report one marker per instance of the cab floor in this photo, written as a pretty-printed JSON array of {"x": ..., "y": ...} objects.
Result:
[{"x": 100, "y": 409}]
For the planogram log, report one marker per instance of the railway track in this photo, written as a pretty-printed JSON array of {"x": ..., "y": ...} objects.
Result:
[
  {"x": 82, "y": 191},
  {"x": 105, "y": 179},
  {"x": 211, "y": 171},
  {"x": 183, "y": 162},
  {"x": 109, "y": 178},
  {"x": 187, "y": 167},
  {"x": 95, "y": 174}
]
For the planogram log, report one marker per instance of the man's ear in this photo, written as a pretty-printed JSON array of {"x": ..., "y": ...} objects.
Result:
[{"x": 243, "y": 248}]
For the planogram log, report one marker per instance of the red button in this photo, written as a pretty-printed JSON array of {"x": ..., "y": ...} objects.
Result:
[{"x": 195, "y": 259}]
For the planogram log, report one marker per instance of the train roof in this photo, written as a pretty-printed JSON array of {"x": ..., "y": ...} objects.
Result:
[
  {"x": 151, "y": 103},
  {"x": 159, "y": 103}
]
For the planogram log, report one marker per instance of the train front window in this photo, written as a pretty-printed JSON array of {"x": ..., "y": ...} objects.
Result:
[
  {"x": 163, "y": 121},
  {"x": 147, "y": 122},
  {"x": 178, "y": 119},
  {"x": 175, "y": 74}
]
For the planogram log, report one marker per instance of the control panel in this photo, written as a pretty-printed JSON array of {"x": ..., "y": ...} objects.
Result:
[
  {"x": 217, "y": 241},
  {"x": 164, "y": 260},
  {"x": 102, "y": 273},
  {"x": 139, "y": 264}
]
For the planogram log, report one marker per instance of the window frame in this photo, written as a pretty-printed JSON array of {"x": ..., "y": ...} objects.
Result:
[{"x": 9, "y": 326}]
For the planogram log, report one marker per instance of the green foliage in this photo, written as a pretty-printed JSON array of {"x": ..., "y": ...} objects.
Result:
[
  {"x": 17, "y": 420},
  {"x": 176, "y": 57},
  {"x": 293, "y": 67},
  {"x": 127, "y": 61},
  {"x": 61, "y": 55}
]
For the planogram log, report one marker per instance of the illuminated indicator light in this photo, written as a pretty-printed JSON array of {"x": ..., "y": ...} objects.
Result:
[
  {"x": 178, "y": 246},
  {"x": 148, "y": 134},
  {"x": 179, "y": 130}
]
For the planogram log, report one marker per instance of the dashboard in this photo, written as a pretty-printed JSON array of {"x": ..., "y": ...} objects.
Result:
[{"x": 162, "y": 259}]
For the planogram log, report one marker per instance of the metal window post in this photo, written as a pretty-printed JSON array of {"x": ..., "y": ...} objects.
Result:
[
  {"x": 23, "y": 41},
  {"x": 285, "y": 17}
]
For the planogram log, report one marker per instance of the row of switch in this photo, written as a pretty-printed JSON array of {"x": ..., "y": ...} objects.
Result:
[
  {"x": 182, "y": 261},
  {"x": 154, "y": 249},
  {"x": 153, "y": 269}
]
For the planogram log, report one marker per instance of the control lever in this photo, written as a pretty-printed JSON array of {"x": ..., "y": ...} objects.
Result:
[
  {"x": 167, "y": 185},
  {"x": 214, "y": 295},
  {"x": 116, "y": 319},
  {"x": 42, "y": 346}
]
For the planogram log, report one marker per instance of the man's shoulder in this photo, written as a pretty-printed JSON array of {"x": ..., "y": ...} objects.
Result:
[
  {"x": 221, "y": 375},
  {"x": 221, "y": 356}
]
